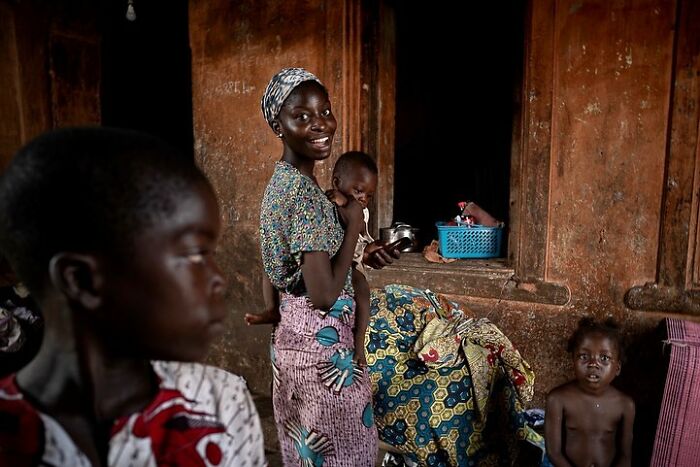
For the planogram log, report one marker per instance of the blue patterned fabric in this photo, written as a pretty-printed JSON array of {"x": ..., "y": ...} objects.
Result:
[{"x": 429, "y": 413}]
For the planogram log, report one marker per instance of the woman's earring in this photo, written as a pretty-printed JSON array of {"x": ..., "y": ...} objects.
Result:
[{"x": 279, "y": 135}]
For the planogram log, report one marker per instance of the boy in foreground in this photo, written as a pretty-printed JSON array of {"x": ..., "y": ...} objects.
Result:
[{"x": 114, "y": 235}]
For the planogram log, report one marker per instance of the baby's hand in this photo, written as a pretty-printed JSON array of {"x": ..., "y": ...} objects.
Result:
[{"x": 337, "y": 197}]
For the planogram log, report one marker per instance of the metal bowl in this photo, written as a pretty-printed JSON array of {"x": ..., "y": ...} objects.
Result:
[{"x": 399, "y": 230}]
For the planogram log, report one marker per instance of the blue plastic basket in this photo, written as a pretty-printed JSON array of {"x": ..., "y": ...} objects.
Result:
[{"x": 476, "y": 241}]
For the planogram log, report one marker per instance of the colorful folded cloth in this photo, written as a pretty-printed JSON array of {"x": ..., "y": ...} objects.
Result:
[
  {"x": 463, "y": 408},
  {"x": 487, "y": 350}
]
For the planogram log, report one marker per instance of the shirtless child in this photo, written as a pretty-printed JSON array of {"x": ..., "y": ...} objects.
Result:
[{"x": 589, "y": 422}]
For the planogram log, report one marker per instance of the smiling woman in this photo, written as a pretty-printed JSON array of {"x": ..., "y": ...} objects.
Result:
[
  {"x": 321, "y": 396},
  {"x": 306, "y": 125}
]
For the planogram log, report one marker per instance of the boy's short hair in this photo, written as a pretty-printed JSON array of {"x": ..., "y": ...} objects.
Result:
[
  {"x": 352, "y": 160},
  {"x": 85, "y": 190},
  {"x": 608, "y": 328}
]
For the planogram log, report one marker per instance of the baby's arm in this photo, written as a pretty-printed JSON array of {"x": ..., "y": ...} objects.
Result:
[
  {"x": 359, "y": 283},
  {"x": 624, "y": 458},
  {"x": 271, "y": 313},
  {"x": 554, "y": 421}
]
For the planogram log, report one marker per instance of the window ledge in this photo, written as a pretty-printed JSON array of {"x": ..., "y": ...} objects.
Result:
[
  {"x": 654, "y": 297},
  {"x": 487, "y": 278}
]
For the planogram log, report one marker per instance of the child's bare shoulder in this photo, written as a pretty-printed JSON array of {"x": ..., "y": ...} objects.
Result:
[
  {"x": 563, "y": 392},
  {"x": 562, "y": 389},
  {"x": 620, "y": 397}
]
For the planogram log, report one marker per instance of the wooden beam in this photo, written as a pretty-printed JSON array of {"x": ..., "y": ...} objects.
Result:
[
  {"x": 474, "y": 278},
  {"x": 531, "y": 166}
]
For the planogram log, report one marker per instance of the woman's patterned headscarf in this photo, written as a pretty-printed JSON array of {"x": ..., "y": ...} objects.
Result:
[{"x": 280, "y": 87}]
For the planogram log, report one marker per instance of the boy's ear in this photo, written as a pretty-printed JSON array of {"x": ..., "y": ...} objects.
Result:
[
  {"x": 335, "y": 182},
  {"x": 78, "y": 277},
  {"x": 619, "y": 368}
]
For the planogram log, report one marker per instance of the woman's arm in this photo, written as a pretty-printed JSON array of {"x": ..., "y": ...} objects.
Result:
[{"x": 324, "y": 278}]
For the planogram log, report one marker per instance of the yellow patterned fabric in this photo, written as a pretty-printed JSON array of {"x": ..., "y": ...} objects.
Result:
[
  {"x": 447, "y": 387},
  {"x": 487, "y": 351}
]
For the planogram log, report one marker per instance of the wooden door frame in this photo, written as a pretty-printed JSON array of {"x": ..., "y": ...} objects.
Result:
[{"x": 522, "y": 276}]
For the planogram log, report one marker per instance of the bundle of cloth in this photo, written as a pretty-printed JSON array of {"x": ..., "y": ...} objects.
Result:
[{"x": 449, "y": 389}]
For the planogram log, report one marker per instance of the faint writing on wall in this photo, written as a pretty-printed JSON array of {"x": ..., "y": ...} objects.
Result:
[{"x": 233, "y": 87}]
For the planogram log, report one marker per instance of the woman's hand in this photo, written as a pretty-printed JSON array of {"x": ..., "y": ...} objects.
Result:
[{"x": 376, "y": 256}]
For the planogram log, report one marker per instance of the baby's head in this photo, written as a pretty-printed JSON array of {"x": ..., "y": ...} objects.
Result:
[
  {"x": 597, "y": 352},
  {"x": 355, "y": 175},
  {"x": 121, "y": 229}
]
